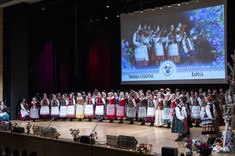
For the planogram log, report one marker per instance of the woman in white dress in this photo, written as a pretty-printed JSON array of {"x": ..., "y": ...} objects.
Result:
[
  {"x": 89, "y": 109},
  {"x": 24, "y": 111},
  {"x": 34, "y": 109},
  {"x": 55, "y": 112},
  {"x": 71, "y": 108},
  {"x": 44, "y": 111},
  {"x": 172, "y": 46},
  {"x": 63, "y": 107}
]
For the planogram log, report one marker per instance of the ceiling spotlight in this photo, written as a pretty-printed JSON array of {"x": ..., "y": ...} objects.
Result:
[
  {"x": 141, "y": 11},
  {"x": 107, "y": 6},
  {"x": 106, "y": 18},
  {"x": 117, "y": 16},
  {"x": 169, "y": 6},
  {"x": 160, "y": 8},
  {"x": 179, "y": 4},
  {"x": 131, "y": 13},
  {"x": 197, "y": 0},
  {"x": 186, "y": 3},
  {"x": 152, "y": 9}
]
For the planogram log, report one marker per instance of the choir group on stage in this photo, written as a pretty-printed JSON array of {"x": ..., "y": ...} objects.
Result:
[
  {"x": 177, "y": 110},
  {"x": 155, "y": 44}
]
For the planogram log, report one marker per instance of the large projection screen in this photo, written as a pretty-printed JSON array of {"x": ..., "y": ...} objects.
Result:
[{"x": 181, "y": 44}]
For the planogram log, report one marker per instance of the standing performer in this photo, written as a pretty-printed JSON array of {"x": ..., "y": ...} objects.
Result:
[
  {"x": 172, "y": 47},
  {"x": 196, "y": 109},
  {"x": 131, "y": 109},
  {"x": 121, "y": 107},
  {"x": 63, "y": 107},
  {"x": 173, "y": 105},
  {"x": 142, "y": 114},
  {"x": 71, "y": 108},
  {"x": 159, "y": 108},
  {"x": 158, "y": 54},
  {"x": 166, "y": 115},
  {"x": 207, "y": 117},
  {"x": 151, "y": 110},
  {"x": 89, "y": 109},
  {"x": 80, "y": 107},
  {"x": 44, "y": 111},
  {"x": 111, "y": 107},
  {"x": 137, "y": 101},
  {"x": 178, "y": 120},
  {"x": 55, "y": 112},
  {"x": 34, "y": 110},
  {"x": 99, "y": 109},
  {"x": 24, "y": 111}
]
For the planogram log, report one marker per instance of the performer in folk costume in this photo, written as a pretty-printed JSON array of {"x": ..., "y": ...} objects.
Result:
[
  {"x": 159, "y": 108},
  {"x": 172, "y": 46},
  {"x": 55, "y": 112},
  {"x": 158, "y": 52},
  {"x": 142, "y": 114},
  {"x": 71, "y": 108},
  {"x": 184, "y": 112},
  {"x": 100, "y": 107},
  {"x": 178, "y": 120},
  {"x": 63, "y": 107},
  {"x": 111, "y": 107},
  {"x": 121, "y": 107},
  {"x": 173, "y": 105},
  {"x": 34, "y": 110},
  {"x": 207, "y": 116},
  {"x": 24, "y": 110},
  {"x": 80, "y": 107},
  {"x": 137, "y": 101},
  {"x": 196, "y": 109},
  {"x": 44, "y": 111},
  {"x": 151, "y": 110},
  {"x": 131, "y": 109},
  {"x": 89, "y": 109},
  {"x": 166, "y": 115}
]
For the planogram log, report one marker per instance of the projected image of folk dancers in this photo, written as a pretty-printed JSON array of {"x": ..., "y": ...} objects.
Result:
[{"x": 188, "y": 46}]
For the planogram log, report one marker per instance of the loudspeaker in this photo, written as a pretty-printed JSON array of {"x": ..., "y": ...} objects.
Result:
[
  {"x": 19, "y": 130},
  {"x": 169, "y": 151},
  {"x": 85, "y": 139},
  {"x": 127, "y": 142}
]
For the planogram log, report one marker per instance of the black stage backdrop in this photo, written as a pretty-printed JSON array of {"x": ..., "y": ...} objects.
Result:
[{"x": 61, "y": 54}]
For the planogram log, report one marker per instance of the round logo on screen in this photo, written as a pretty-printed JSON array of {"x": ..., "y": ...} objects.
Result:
[{"x": 167, "y": 68}]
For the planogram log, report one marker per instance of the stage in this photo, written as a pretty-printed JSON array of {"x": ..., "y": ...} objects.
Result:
[{"x": 156, "y": 136}]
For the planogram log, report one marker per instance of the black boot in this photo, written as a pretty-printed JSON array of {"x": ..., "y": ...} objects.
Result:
[
  {"x": 80, "y": 119},
  {"x": 143, "y": 122},
  {"x": 183, "y": 135},
  {"x": 63, "y": 119},
  {"x": 188, "y": 132},
  {"x": 44, "y": 119},
  {"x": 151, "y": 123},
  {"x": 33, "y": 120},
  {"x": 90, "y": 119},
  {"x": 168, "y": 125},
  {"x": 179, "y": 138},
  {"x": 111, "y": 121},
  {"x": 131, "y": 121},
  {"x": 197, "y": 124},
  {"x": 71, "y": 119}
]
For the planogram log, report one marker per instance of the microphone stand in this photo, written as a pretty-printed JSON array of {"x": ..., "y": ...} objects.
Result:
[
  {"x": 93, "y": 132},
  {"x": 48, "y": 127}
]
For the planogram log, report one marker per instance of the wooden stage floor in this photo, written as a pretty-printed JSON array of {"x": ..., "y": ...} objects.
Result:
[{"x": 156, "y": 136}]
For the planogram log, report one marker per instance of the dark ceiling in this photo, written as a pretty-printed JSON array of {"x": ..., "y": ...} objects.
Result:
[{"x": 99, "y": 7}]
